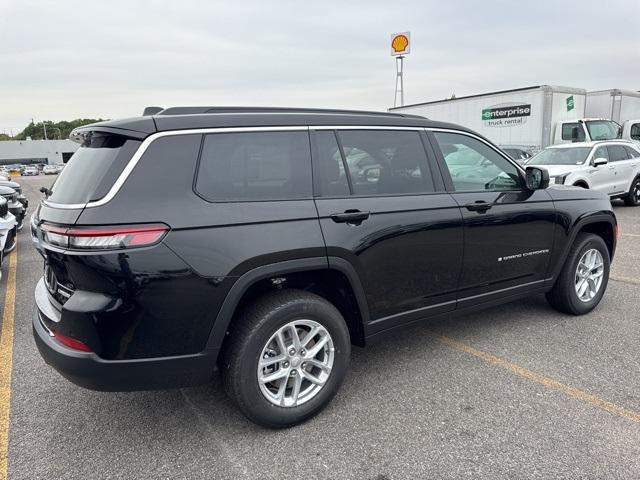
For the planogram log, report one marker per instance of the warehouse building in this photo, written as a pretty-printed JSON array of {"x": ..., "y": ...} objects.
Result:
[{"x": 27, "y": 152}]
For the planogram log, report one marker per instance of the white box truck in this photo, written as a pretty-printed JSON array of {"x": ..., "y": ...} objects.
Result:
[
  {"x": 531, "y": 117},
  {"x": 621, "y": 106}
]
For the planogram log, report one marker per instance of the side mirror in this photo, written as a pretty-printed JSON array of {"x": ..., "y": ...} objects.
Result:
[
  {"x": 537, "y": 178},
  {"x": 600, "y": 161},
  {"x": 574, "y": 134}
]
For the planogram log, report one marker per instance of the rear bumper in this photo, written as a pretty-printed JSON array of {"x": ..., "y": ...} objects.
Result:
[{"x": 90, "y": 371}]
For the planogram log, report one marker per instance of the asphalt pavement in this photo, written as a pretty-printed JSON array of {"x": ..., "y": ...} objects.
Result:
[{"x": 517, "y": 391}]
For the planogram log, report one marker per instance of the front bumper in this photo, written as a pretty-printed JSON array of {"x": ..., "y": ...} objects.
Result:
[{"x": 90, "y": 371}]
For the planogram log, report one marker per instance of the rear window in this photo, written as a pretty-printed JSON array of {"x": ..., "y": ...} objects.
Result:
[
  {"x": 93, "y": 169},
  {"x": 254, "y": 166}
]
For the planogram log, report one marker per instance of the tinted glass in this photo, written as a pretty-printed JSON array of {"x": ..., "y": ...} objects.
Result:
[
  {"x": 93, "y": 169},
  {"x": 635, "y": 131},
  {"x": 632, "y": 152},
  {"x": 561, "y": 156},
  {"x": 617, "y": 153},
  {"x": 331, "y": 176},
  {"x": 255, "y": 166},
  {"x": 567, "y": 132},
  {"x": 474, "y": 166},
  {"x": 386, "y": 162}
]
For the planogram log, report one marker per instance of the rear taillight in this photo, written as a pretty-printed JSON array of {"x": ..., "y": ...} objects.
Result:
[{"x": 99, "y": 238}]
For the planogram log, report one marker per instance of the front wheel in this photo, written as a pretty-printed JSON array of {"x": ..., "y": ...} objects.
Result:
[
  {"x": 286, "y": 357},
  {"x": 633, "y": 197},
  {"x": 583, "y": 278}
]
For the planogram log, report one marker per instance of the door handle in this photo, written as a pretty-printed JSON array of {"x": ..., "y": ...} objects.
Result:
[
  {"x": 478, "y": 206},
  {"x": 351, "y": 217}
]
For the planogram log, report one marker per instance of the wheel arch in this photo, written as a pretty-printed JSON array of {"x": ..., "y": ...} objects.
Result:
[
  {"x": 603, "y": 225},
  {"x": 332, "y": 278}
]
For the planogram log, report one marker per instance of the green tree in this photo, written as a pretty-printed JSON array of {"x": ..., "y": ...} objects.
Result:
[{"x": 56, "y": 130}]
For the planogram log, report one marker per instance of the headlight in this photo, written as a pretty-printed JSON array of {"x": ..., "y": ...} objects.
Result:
[{"x": 559, "y": 180}]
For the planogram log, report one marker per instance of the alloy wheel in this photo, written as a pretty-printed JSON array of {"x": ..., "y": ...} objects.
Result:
[
  {"x": 295, "y": 363},
  {"x": 589, "y": 275}
]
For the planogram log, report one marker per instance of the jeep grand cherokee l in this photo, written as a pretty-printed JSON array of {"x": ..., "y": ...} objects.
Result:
[{"x": 266, "y": 254}]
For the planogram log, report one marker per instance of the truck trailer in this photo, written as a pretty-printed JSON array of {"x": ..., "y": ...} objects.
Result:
[
  {"x": 532, "y": 117},
  {"x": 621, "y": 106}
]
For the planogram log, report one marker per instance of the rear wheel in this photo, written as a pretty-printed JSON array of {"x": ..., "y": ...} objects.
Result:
[
  {"x": 583, "y": 278},
  {"x": 286, "y": 357},
  {"x": 633, "y": 197}
]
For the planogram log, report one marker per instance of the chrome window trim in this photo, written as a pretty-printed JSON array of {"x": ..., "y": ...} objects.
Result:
[
  {"x": 117, "y": 185},
  {"x": 493, "y": 147},
  {"x": 363, "y": 127}
]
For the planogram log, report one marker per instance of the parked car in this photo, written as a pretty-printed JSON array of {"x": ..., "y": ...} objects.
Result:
[
  {"x": 245, "y": 260},
  {"x": 16, "y": 186},
  {"x": 8, "y": 229},
  {"x": 50, "y": 170},
  {"x": 30, "y": 171},
  {"x": 519, "y": 154},
  {"x": 612, "y": 167},
  {"x": 15, "y": 207},
  {"x": 60, "y": 167}
]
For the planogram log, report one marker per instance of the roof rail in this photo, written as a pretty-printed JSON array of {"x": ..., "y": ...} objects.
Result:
[{"x": 211, "y": 109}]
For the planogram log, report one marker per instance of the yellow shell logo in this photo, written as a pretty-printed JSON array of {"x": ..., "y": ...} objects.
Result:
[{"x": 400, "y": 43}]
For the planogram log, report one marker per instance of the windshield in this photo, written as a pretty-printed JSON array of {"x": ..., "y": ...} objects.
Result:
[
  {"x": 561, "y": 156},
  {"x": 603, "y": 129}
]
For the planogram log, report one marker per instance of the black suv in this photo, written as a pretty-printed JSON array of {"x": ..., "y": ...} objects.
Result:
[{"x": 265, "y": 242}]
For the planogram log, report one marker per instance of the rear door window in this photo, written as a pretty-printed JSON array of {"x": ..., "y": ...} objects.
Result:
[
  {"x": 254, "y": 166},
  {"x": 617, "y": 153},
  {"x": 93, "y": 168}
]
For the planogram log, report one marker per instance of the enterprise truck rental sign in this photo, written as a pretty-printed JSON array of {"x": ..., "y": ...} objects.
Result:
[{"x": 506, "y": 115}]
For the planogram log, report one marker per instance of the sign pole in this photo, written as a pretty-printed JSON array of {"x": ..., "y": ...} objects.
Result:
[{"x": 399, "y": 82}]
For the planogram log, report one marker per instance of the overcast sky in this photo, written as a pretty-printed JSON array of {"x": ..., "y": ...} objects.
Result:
[{"x": 61, "y": 60}]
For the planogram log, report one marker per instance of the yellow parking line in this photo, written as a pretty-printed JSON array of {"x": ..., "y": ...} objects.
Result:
[
  {"x": 6, "y": 361},
  {"x": 541, "y": 379}
]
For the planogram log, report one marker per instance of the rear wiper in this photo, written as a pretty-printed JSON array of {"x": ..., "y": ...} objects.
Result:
[{"x": 46, "y": 191}]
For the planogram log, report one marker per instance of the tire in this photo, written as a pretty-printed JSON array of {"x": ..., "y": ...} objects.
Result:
[
  {"x": 250, "y": 337},
  {"x": 12, "y": 241},
  {"x": 632, "y": 199},
  {"x": 563, "y": 296}
]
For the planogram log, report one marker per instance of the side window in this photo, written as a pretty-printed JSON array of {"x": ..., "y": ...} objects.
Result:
[
  {"x": 635, "y": 131},
  {"x": 601, "y": 152},
  {"x": 475, "y": 166},
  {"x": 386, "y": 162},
  {"x": 568, "y": 131},
  {"x": 331, "y": 178},
  {"x": 255, "y": 166},
  {"x": 632, "y": 152},
  {"x": 617, "y": 153}
]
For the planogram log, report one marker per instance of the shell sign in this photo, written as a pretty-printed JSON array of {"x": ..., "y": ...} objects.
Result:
[{"x": 400, "y": 43}]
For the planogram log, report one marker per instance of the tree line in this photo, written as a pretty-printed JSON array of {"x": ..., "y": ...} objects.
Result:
[{"x": 55, "y": 130}]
